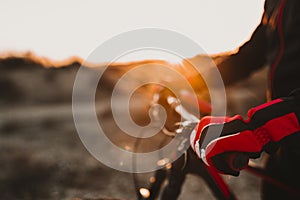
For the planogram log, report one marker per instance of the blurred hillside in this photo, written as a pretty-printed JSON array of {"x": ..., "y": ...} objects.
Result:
[{"x": 24, "y": 81}]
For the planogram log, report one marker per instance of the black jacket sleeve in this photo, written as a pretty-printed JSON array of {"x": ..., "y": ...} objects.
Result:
[{"x": 250, "y": 56}]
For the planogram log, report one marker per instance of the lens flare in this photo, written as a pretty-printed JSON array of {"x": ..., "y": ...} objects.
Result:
[{"x": 144, "y": 192}]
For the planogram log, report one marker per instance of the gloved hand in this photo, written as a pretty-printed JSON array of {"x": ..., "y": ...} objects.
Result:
[{"x": 215, "y": 138}]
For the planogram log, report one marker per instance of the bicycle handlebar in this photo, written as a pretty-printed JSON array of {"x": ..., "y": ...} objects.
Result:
[{"x": 236, "y": 161}]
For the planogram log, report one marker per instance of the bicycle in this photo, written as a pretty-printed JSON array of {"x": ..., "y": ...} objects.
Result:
[{"x": 188, "y": 163}]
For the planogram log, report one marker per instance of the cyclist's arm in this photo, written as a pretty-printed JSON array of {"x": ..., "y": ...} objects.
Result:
[
  {"x": 249, "y": 57},
  {"x": 268, "y": 126}
]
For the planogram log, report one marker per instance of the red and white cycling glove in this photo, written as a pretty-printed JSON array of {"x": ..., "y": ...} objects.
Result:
[{"x": 266, "y": 126}]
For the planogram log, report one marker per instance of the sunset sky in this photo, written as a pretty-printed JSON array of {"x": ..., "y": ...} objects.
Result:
[{"x": 59, "y": 29}]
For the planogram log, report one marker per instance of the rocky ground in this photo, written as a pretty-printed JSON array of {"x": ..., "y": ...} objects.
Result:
[{"x": 42, "y": 156}]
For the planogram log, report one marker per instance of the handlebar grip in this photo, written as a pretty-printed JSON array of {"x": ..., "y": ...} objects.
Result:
[{"x": 237, "y": 161}]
